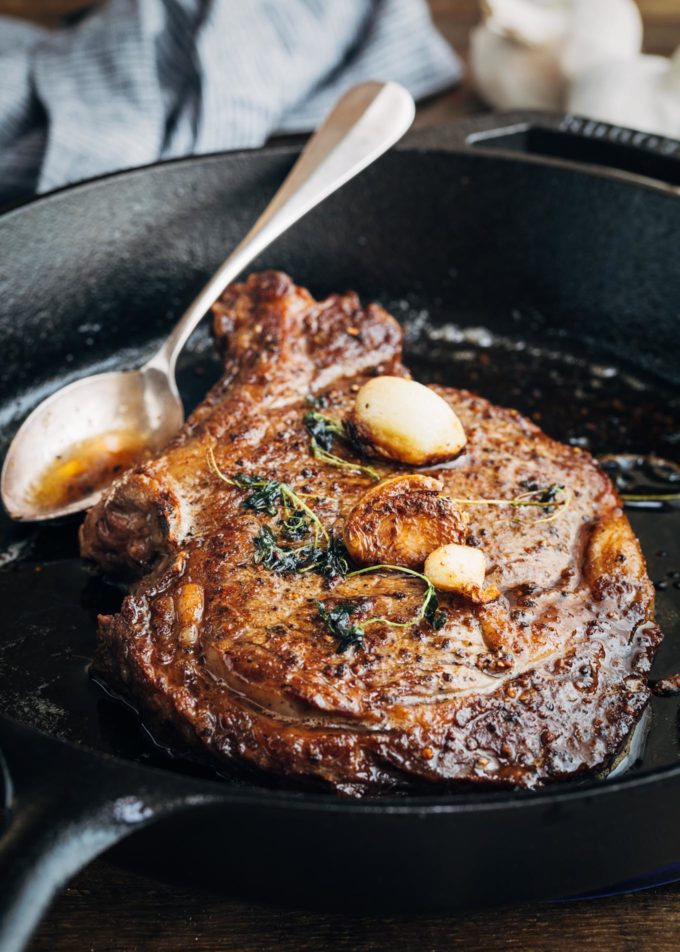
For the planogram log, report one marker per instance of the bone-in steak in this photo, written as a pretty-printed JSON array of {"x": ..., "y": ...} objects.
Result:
[{"x": 544, "y": 682}]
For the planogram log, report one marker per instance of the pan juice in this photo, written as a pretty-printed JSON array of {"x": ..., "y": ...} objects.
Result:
[
  {"x": 89, "y": 465},
  {"x": 630, "y": 421}
]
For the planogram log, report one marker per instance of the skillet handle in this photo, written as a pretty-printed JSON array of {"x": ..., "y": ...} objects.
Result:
[
  {"x": 62, "y": 807},
  {"x": 549, "y": 138}
]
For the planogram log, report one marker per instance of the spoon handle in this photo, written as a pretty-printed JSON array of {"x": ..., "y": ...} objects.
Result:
[{"x": 365, "y": 122}]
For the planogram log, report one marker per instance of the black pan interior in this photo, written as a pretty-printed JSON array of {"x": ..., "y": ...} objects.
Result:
[{"x": 541, "y": 288}]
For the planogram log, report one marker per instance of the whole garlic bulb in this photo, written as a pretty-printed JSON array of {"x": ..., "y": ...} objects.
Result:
[
  {"x": 643, "y": 93},
  {"x": 599, "y": 31},
  {"x": 526, "y": 51},
  {"x": 509, "y": 75}
]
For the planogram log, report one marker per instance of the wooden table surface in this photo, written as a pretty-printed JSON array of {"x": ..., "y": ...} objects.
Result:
[{"x": 108, "y": 909}]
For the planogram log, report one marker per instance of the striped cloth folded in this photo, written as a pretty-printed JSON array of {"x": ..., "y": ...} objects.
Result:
[{"x": 139, "y": 80}]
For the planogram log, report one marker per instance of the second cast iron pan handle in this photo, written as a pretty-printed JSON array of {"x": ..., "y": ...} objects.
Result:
[{"x": 562, "y": 139}]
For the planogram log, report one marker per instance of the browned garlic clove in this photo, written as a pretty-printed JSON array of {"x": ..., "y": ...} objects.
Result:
[
  {"x": 403, "y": 420},
  {"x": 461, "y": 569},
  {"x": 189, "y": 604},
  {"x": 401, "y": 520}
]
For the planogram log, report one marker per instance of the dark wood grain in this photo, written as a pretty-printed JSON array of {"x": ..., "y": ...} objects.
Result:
[{"x": 106, "y": 909}]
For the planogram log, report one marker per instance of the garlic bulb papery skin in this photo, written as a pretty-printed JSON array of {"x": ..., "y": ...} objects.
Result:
[
  {"x": 526, "y": 51},
  {"x": 600, "y": 31},
  {"x": 529, "y": 22},
  {"x": 643, "y": 93},
  {"x": 508, "y": 75}
]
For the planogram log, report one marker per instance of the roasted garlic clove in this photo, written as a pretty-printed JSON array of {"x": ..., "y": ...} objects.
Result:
[
  {"x": 401, "y": 520},
  {"x": 613, "y": 551},
  {"x": 403, "y": 420},
  {"x": 189, "y": 604},
  {"x": 461, "y": 569}
]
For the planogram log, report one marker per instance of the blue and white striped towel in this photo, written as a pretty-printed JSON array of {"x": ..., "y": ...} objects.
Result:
[{"x": 139, "y": 80}]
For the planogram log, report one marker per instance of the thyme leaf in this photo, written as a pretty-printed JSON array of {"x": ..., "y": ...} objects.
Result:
[
  {"x": 337, "y": 619},
  {"x": 323, "y": 429},
  {"x": 333, "y": 561},
  {"x": 338, "y": 622},
  {"x": 329, "y": 561},
  {"x": 266, "y": 494},
  {"x": 295, "y": 526},
  {"x": 291, "y": 500},
  {"x": 282, "y": 559},
  {"x": 432, "y": 613},
  {"x": 549, "y": 494}
]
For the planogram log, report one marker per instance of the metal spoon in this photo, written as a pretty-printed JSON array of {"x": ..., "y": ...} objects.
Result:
[{"x": 363, "y": 125}]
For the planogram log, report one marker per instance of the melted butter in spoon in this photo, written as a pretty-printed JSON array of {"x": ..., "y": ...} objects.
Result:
[{"x": 88, "y": 466}]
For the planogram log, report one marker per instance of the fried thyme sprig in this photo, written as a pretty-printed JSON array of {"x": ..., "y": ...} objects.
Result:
[
  {"x": 330, "y": 561},
  {"x": 429, "y": 609},
  {"x": 324, "y": 554},
  {"x": 547, "y": 497},
  {"x": 338, "y": 623},
  {"x": 269, "y": 496},
  {"x": 323, "y": 431}
]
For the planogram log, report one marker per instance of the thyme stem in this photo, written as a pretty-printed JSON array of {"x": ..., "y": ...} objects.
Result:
[
  {"x": 527, "y": 500},
  {"x": 662, "y": 497},
  {"x": 429, "y": 607},
  {"x": 318, "y": 452},
  {"x": 216, "y": 470}
]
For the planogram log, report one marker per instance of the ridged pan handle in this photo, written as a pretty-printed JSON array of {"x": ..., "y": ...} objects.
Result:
[
  {"x": 543, "y": 137},
  {"x": 63, "y": 807}
]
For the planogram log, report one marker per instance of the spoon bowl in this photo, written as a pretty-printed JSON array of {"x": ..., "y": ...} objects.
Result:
[{"x": 132, "y": 413}]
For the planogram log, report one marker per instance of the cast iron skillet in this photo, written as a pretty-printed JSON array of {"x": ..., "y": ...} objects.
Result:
[{"x": 490, "y": 223}]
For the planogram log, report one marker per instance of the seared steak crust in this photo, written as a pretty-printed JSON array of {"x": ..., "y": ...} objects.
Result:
[{"x": 546, "y": 682}]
